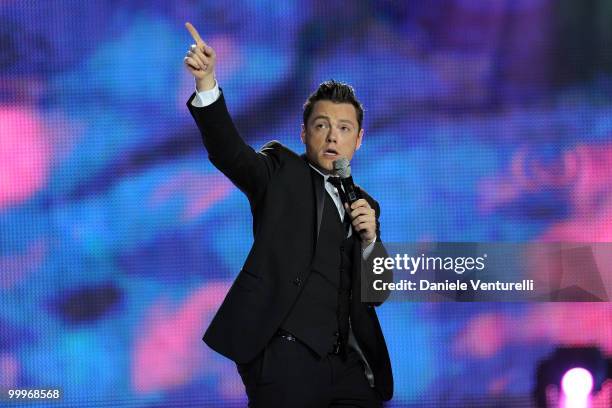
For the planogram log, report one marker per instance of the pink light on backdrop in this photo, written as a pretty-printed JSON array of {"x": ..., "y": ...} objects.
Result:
[
  {"x": 24, "y": 155},
  {"x": 593, "y": 178},
  {"x": 201, "y": 191},
  {"x": 168, "y": 351},
  {"x": 586, "y": 173},
  {"x": 596, "y": 227},
  {"x": 9, "y": 371},
  {"x": 15, "y": 267},
  {"x": 569, "y": 324},
  {"x": 481, "y": 336},
  {"x": 591, "y": 198}
]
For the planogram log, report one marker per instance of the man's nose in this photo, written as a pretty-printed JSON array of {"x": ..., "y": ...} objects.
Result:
[{"x": 332, "y": 135}]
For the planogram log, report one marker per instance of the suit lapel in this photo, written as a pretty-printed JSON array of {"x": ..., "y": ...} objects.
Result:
[
  {"x": 319, "y": 192},
  {"x": 319, "y": 197}
]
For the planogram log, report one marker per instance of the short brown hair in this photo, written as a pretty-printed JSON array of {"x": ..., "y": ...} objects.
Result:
[{"x": 337, "y": 92}]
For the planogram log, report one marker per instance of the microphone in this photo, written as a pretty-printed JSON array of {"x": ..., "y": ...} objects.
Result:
[{"x": 342, "y": 167}]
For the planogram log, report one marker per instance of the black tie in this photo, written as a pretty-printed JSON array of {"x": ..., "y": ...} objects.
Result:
[
  {"x": 343, "y": 295},
  {"x": 335, "y": 181}
]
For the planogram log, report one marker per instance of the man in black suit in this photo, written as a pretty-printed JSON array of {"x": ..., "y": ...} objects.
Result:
[{"x": 293, "y": 321}]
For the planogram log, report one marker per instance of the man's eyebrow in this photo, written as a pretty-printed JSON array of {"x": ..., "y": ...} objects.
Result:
[{"x": 327, "y": 118}]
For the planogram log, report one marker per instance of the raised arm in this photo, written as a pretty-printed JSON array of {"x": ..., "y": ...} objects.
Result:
[{"x": 250, "y": 171}]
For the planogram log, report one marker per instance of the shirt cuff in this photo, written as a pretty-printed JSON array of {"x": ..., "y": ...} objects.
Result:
[
  {"x": 205, "y": 98},
  {"x": 368, "y": 250}
]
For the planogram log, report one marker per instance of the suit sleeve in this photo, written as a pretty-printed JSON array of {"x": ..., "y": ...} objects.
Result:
[
  {"x": 249, "y": 170},
  {"x": 368, "y": 277}
]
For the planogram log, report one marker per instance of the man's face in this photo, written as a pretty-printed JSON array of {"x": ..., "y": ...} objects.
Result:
[{"x": 331, "y": 132}]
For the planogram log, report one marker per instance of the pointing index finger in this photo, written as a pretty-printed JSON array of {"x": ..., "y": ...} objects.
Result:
[{"x": 194, "y": 33}]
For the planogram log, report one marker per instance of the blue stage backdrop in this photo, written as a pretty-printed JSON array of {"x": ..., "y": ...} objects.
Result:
[{"x": 485, "y": 121}]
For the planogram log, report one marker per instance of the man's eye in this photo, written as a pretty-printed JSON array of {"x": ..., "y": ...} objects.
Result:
[
  {"x": 320, "y": 125},
  {"x": 345, "y": 128}
]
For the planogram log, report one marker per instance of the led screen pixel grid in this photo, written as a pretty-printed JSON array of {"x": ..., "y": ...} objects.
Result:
[{"x": 485, "y": 121}]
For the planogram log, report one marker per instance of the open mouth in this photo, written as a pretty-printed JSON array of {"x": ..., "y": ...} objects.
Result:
[{"x": 329, "y": 152}]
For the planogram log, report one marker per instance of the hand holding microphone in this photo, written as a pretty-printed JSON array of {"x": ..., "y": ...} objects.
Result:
[{"x": 363, "y": 217}]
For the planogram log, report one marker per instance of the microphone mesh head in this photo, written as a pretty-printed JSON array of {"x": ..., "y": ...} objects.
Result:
[{"x": 342, "y": 167}]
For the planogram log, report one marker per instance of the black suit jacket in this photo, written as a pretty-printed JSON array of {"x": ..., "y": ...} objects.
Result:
[{"x": 286, "y": 204}]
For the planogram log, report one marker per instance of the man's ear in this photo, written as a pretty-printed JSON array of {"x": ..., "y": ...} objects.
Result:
[
  {"x": 303, "y": 134},
  {"x": 359, "y": 139}
]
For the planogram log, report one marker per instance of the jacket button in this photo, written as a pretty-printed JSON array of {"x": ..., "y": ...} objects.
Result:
[{"x": 297, "y": 281}]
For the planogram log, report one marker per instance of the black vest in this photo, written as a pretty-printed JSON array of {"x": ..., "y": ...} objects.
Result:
[{"x": 315, "y": 315}]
